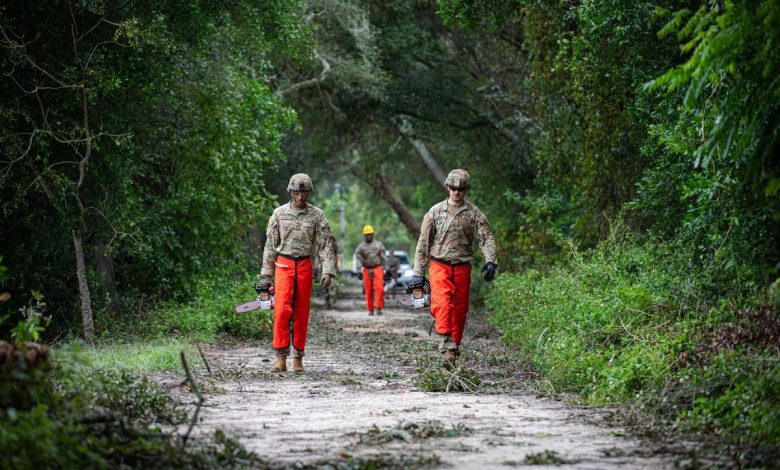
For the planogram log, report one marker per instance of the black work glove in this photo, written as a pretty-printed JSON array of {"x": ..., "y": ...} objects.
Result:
[
  {"x": 360, "y": 274},
  {"x": 263, "y": 284},
  {"x": 417, "y": 282},
  {"x": 490, "y": 271},
  {"x": 388, "y": 275}
]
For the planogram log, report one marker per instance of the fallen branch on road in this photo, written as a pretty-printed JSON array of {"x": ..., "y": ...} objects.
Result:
[{"x": 195, "y": 390}]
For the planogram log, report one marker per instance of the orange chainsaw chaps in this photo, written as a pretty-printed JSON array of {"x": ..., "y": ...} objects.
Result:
[
  {"x": 450, "y": 298},
  {"x": 374, "y": 289},
  {"x": 292, "y": 279}
]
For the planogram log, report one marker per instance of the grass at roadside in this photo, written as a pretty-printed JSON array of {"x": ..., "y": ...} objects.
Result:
[{"x": 158, "y": 355}]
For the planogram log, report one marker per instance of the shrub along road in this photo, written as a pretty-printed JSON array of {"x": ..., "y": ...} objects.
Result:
[{"x": 366, "y": 399}]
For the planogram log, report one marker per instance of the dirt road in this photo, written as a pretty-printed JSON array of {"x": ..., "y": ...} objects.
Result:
[{"x": 362, "y": 401}]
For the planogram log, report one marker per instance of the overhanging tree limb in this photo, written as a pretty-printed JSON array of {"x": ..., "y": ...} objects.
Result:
[
  {"x": 385, "y": 189},
  {"x": 428, "y": 158}
]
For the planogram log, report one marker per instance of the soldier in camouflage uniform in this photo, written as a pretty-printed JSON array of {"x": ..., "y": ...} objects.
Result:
[
  {"x": 393, "y": 264},
  {"x": 294, "y": 231},
  {"x": 391, "y": 274},
  {"x": 446, "y": 238},
  {"x": 370, "y": 256}
]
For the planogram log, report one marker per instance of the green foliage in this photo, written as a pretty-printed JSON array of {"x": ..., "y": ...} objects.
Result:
[
  {"x": 360, "y": 208},
  {"x": 713, "y": 183},
  {"x": 32, "y": 324},
  {"x": 470, "y": 13},
  {"x": 739, "y": 399},
  {"x": 732, "y": 73}
]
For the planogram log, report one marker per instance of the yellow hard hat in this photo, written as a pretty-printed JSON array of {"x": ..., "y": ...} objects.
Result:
[{"x": 368, "y": 230}]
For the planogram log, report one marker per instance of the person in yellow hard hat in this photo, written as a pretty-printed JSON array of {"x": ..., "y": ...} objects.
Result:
[{"x": 370, "y": 257}]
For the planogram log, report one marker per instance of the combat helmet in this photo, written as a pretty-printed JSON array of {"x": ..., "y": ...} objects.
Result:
[
  {"x": 300, "y": 182},
  {"x": 458, "y": 179}
]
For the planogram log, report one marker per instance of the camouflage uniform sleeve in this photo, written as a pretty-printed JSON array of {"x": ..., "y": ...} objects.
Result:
[
  {"x": 423, "y": 253},
  {"x": 487, "y": 243},
  {"x": 325, "y": 247},
  {"x": 271, "y": 242},
  {"x": 359, "y": 256}
]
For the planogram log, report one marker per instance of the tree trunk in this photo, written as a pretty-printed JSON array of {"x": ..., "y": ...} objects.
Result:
[
  {"x": 386, "y": 190},
  {"x": 105, "y": 267},
  {"x": 86, "y": 302},
  {"x": 427, "y": 157}
]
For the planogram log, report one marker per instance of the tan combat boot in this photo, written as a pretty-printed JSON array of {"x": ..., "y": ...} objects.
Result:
[
  {"x": 280, "y": 364},
  {"x": 298, "y": 365},
  {"x": 449, "y": 359}
]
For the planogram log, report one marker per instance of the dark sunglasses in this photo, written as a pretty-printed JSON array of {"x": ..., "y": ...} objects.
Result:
[{"x": 460, "y": 190}]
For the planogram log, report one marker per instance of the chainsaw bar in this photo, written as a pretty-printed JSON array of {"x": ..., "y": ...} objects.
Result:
[{"x": 248, "y": 306}]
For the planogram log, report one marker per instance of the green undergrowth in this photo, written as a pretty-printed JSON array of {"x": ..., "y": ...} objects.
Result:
[
  {"x": 55, "y": 416},
  {"x": 203, "y": 315},
  {"x": 210, "y": 312},
  {"x": 687, "y": 342}
]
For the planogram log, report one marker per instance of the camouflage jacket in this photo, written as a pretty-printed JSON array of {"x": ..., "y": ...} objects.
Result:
[
  {"x": 296, "y": 232},
  {"x": 448, "y": 233},
  {"x": 370, "y": 254}
]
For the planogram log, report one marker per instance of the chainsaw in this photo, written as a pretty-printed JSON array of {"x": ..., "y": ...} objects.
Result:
[
  {"x": 264, "y": 301},
  {"x": 417, "y": 297}
]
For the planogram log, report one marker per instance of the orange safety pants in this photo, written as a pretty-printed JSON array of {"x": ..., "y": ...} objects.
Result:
[
  {"x": 450, "y": 297},
  {"x": 292, "y": 284},
  {"x": 374, "y": 287}
]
